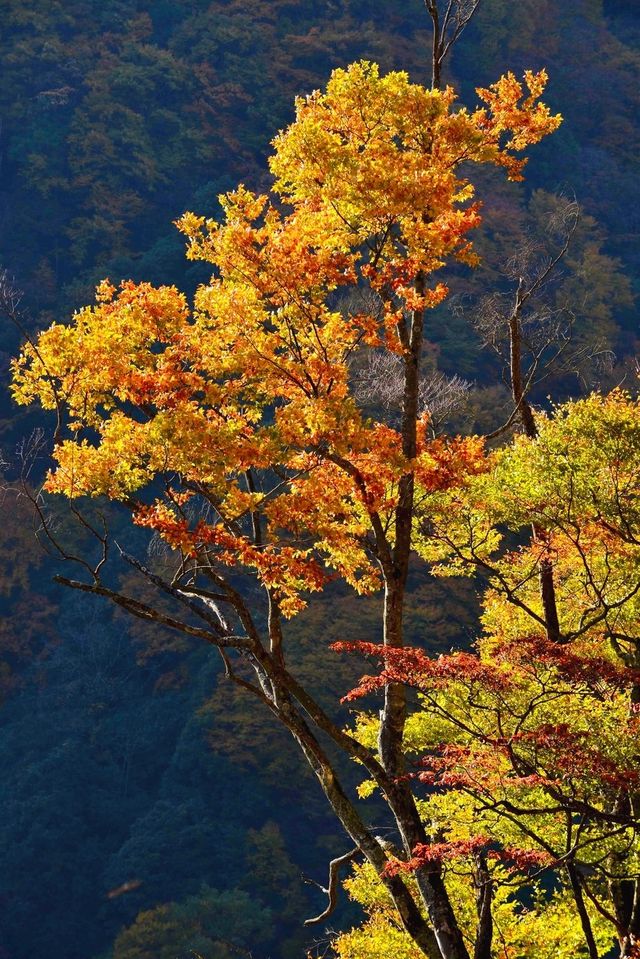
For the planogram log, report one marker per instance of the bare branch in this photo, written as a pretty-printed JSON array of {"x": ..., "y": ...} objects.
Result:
[
  {"x": 332, "y": 889},
  {"x": 447, "y": 28},
  {"x": 379, "y": 381},
  {"x": 208, "y": 611},
  {"x": 11, "y": 306},
  {"x": 142, "y": 611}
]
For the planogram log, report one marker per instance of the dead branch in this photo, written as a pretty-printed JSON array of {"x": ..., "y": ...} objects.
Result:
[
  {"x": 332, "y": 889},
  {"x": 448, "y": 26}
]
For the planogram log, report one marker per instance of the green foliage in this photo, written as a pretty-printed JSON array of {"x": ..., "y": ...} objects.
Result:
[
  {"x": 212, "y": 924},
  {"x": 528, "y": 746}
]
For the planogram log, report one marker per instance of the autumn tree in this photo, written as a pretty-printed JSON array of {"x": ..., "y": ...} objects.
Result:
[
  {"x": 527, "y": 746},
  {"x": 212, "y": 924},
  {"x": 230, "y": 429}
]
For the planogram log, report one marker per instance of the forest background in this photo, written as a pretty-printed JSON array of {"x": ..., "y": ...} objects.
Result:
[{"x": 132, "y": 775}]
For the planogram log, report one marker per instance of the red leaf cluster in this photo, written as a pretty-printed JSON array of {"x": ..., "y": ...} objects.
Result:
[
  {"x": 435, "y": 854},
  {"x": 414, "y": 667}
]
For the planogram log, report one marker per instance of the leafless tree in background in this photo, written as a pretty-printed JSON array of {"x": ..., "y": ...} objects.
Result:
[{"x": 449, "y": 21}]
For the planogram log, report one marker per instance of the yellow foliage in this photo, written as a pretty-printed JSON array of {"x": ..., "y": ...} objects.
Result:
[{"x": 255, "y": 378}]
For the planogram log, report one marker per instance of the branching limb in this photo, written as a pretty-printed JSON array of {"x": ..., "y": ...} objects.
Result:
[
  {"x": 447, "y": 30},
  {"x": 204, "y": 611},
  {"x": 142, "y": 611},
  {"x": 332, "y": 889},
  {"x": 45, "y": 528}
]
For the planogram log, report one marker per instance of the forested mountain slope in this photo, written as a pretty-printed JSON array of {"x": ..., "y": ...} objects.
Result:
[{"x": 124, "y": 752}]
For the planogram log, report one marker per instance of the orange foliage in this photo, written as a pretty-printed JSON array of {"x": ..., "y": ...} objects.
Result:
[{"x": 242, "y": 406}]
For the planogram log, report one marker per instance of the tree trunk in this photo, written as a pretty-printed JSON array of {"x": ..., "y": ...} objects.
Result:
[
  {"x": 410, "y": 915},
  {"x": 582, "y": 910},
  {"x": 484, "y": 902},
  {"x": 393, "y": 715},
  {"x": 547, "y": 585}
]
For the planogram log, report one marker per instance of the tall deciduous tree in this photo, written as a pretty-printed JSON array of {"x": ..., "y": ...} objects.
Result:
[
  {"x": 232, "y": 432},
  {"x": 528, "y": 745}
]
